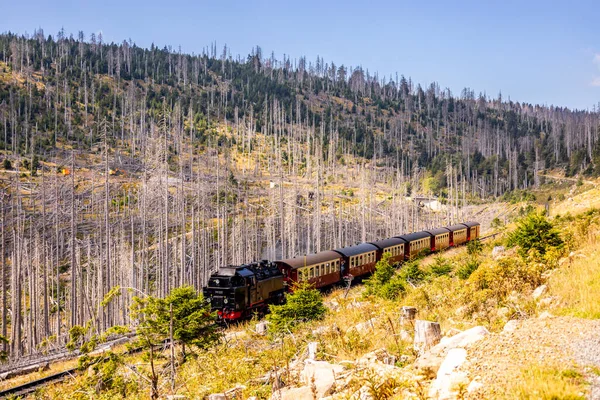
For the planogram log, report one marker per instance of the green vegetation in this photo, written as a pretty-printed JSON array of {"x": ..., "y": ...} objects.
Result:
[
  {"x": 465, "y": 270},
  {"x": 304, "y": 304},
  {"x": 535, "y": 232},
  {"x": 384, "y": 282},
  {"x": 184, "y": 314}
]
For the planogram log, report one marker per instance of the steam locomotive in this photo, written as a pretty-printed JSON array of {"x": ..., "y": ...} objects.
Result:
[{"x": 237, "y": 292}]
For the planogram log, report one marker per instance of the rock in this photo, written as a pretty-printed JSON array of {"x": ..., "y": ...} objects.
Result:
[
  {"x": 217, "y": 396},
  {"x": 365, "y": 326},
  {"x": 545, "y": 315},
  {"x": 297, "y": 393},
  {"x": 546, "y": 301},
  {"x": 464, "y": 338},
  {"x": 262, "y": 327},
  {"x": 405, "y": 336},
  {"x": 321, "y": 330},
  {"x": 389, "y": 360},
  {"x": 235, "y": 335},
  {"x": 503, "y": 312},
  {"x": 511, "y": 326},
  {"x": 498, "y": 251},
  {"x": 539, "y": 291},
  {"x": 375, "y": 356},
  {"x": 474, "y": 386},
  {"x": 427, "y": 335},
  {"x": 460, "y": 311},
  {"x": 432, "y": 359},
  {"x": 235, "y": 393},
  {"x": 452, "y": 332},
  {"x": 332, "y": 305},
  {"x": 312, "y": 350},
  {"x": 355, "y": 304},
  {"x": 321, "y": 376},
  {"x": 447, "y": 377}
]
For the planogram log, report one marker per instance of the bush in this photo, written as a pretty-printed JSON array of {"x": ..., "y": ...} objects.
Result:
[
  {"x": 411, "y": 272},
  {"x": 441, "y": 266},
  {"x": 474, "y": 247},
  {"x": 384, "y": 282},
  {"x": 304, "y": 304},
  {"x": 535, "y": 232},
  {"x": 7, "y": 165},
  {"x": 496, "y": 223},
  {"x": 465, "y": 270}
]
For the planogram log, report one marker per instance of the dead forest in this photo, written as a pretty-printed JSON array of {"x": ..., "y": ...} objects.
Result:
[{"x": 151, "y": 168}]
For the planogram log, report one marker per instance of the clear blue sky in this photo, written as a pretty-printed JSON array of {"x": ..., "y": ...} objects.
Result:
[{"x": 537, "y": 51}]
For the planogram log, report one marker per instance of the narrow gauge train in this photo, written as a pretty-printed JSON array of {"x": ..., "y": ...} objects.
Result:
[{"x": 237, "y": 292}]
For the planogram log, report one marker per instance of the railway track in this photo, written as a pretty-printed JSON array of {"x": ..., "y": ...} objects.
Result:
[{"x": 31, "y": 386}]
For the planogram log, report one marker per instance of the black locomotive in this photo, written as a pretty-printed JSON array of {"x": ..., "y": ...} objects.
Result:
[{"x": 239, "y": 291}]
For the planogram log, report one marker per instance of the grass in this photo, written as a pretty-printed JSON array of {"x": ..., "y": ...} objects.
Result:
[
  {"x": 577, "y": 284},
  {"x": 547, "y": 383}
]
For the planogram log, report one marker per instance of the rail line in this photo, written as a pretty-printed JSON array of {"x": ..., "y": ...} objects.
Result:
[{"x": 31, "y": 386}]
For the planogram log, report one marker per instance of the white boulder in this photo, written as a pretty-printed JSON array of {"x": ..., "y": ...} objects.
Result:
[
  {"x": 498, "y": 251},
  {"x": 511, "y": 326},
  {"x": 447, "y": 376},
  {"x": 321, "y": 375},
  {"x": 539, "y": 291}
]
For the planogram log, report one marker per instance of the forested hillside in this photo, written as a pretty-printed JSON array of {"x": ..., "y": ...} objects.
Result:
[{"x": 149, "y": 168}]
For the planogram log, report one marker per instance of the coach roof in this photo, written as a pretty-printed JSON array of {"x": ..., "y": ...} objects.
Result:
[
  {"x": 385, "y": 243},
  {"x": 411, "y": 237},
  {"x": 438, "y": 231},
  {"x": 355, "y": 250},
  {"x": 310, "y": 259},
  {"x": 456, "y": 227}
]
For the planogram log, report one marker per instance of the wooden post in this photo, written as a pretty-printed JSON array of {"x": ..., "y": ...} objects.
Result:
[{"x": 427, "y": 335}]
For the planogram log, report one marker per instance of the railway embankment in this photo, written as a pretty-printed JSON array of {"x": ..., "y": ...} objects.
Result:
[{"x": 516, "y": 317}]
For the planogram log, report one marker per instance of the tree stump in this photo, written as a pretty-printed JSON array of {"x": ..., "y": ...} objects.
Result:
[
  {"x": 408, "y": 315},
  {"x": 427, "y": 335},
  {"x": 312, "y": 350}
]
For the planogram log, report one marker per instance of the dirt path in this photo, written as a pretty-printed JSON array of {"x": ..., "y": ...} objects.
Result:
[{"x": 563, "y": 343}]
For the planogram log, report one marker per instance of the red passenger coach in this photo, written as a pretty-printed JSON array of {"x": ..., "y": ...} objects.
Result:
[
  {"x": 321, "y": 269},
  {"x": 440, "y": 239},
  {"x": 473, "y": 230},
  {"x": 458, "y": 234},
  {"x": 358, "y": 260},
  {"x": 394, "y": 246},
  {"x": 416, "y": 243}
]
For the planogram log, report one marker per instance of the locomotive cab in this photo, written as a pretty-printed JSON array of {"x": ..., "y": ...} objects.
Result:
[
  {"x": 237, "y": 291},
  {"x": 227, "y": 291}
]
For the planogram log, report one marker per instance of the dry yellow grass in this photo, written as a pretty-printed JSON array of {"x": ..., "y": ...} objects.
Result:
[{"x": 540, "y": 382}]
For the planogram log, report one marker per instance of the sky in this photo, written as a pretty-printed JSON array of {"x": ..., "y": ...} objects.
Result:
[{"x": 535, "y": 51}]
